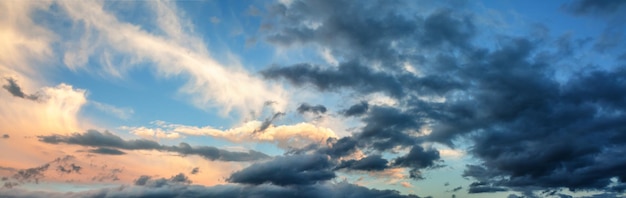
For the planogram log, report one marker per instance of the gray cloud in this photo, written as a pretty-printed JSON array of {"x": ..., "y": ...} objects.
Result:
[
  {"x": 369, "y": 163},
  {"x": 485, "y": 188},
  {"x": 15, "y": 90},
  {"x": 357, "y": 109},
  {"x": 64, "y": 165},
  {"x": 528, "y": 129},
  {"x": 417, "y": 158},
  {"x": 195, "y": 170},
  {"x": 268, "y": 121},
  {"x": 345, "y": 76},
  {"x": 316, "y": 109},
  {"x": 148, "y": 181},
  {"x": 70, "y": 168},
  {"x": 108, "y": 143},
  {"x": 107, "y": 151},
  {"x": 287, "y": 170}
]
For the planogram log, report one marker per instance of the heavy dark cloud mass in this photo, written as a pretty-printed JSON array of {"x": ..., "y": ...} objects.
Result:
[
  {"x": 369, "y": 163},
  {"x": 288, "y": 170},
  {"x": 108, "y": 143},
  {"x": 530, "y": 125}
]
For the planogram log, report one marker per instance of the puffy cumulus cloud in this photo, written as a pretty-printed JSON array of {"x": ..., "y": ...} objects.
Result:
[
  {"x": 112, "y": 142},
  {"x": 152, "y": 133},
  {"x": 531, "y": 124},
  {"x": 121, "y": 45},
  {"x": 53, "y": 108},
  {"x": 285, "y": 136}
]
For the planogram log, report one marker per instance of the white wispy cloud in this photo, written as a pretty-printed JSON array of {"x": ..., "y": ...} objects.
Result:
[{"x": 177, "y": 53}]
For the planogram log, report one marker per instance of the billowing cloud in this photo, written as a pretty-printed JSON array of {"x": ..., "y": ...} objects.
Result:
[
  {"x": 93, "y": 138},
  {"x": 528, "y": 126},
  {"x": 418, "y": 158},
  {"x": 369, "y": 163},
  {"x": 288, "y": 170},
  {"x": 357, "y": 109}
]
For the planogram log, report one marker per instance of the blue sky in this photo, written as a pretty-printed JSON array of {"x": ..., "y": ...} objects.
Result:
[{"x": 322, "y": 98}]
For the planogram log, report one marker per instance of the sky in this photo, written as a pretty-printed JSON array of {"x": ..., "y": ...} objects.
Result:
[{"x": 313, "y": 98}]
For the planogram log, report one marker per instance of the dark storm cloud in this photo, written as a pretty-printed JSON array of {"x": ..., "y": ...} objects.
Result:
[
  {"x": 370, "y": 30},
  {"x": 106, "y": 151},
  {"x": 316, "y": 109},
  {"x": 443, "y": 28},
  {"x": 484, "y": 188},
  {"x": 357, "y": 109},
  {"x": 340, "y": 147},
  {"x": 354, "y": 75},
  {"x": 553, "y": 135},
  {"x": 387, "y": 127},
  {"x": 369, "y": 163},
  {"x": 417, "y": 159},
  {"x": 110, "y": 142},
  {"x": 529, "y": 129},
  {"x": 581, "y": 7},
  {"x": 347, "y": 75},
  {"x": 15, "y": 90},
  {"x": 287, "y": 170}
]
